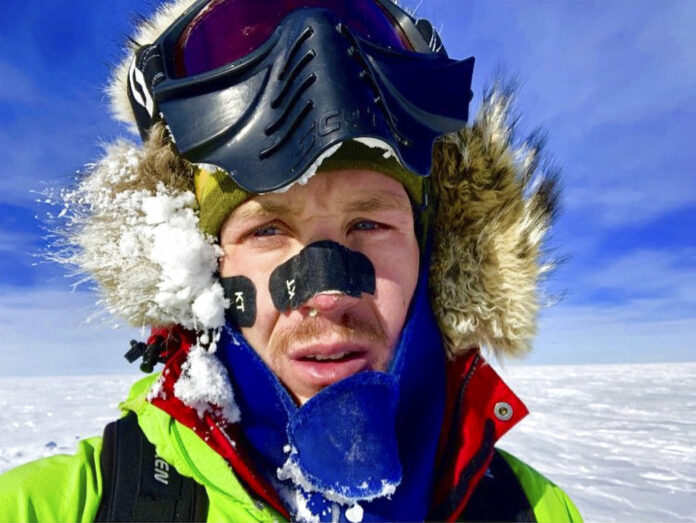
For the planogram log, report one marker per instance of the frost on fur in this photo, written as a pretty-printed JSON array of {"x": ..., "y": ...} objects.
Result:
[
  {"x": 495, "y": 206},
  {"x": 134, "y": 228}
]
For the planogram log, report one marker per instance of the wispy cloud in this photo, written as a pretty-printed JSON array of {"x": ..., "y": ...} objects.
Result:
[
  {"x": 603, "y": 62},
  {"x": 614, "y": 83},
  {"x": 48, "y": 144},
  {"x": 54, "y": 111},
  {"x": 11, "y": 242},
  {"x": 613, "y": 334},
  {"x": 17, "y": 85},
  {"x": 624, "y": 105},
  {"x": 662, "y": 274},
  {"x": 648, "y": 314},
  {"x": 45, "y": 332}
]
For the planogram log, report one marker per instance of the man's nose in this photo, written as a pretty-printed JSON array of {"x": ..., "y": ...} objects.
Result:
[
  {"x": 324, "y": 276},
  {"x": 329, "y": 302}
]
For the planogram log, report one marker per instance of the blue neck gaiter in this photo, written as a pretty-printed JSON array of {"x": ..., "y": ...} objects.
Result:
[{"x": 360, "y": 449}]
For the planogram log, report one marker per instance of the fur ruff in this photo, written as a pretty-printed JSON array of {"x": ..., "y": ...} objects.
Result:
[
  {"x": 124, "y": 218},
  {"x": 494, "y": 209},
  {"x": 494, "y": 205}
]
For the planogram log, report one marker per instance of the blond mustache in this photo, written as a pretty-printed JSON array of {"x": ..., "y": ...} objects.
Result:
[{"x": 313, "y": 330}]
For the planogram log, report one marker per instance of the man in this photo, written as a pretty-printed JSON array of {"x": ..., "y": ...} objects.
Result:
[{"x": 320, "y": 303}]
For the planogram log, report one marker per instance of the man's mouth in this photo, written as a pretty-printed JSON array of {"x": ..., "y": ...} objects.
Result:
[
  {"x": 322, "y": 366},
  {"x": 332, "y": 357}
]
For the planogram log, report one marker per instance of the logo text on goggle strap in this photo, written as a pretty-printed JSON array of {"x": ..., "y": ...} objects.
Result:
[{"x": 139, "y": 88}]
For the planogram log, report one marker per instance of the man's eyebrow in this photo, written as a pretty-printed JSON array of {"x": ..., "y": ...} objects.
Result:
[
  {"x": 263, "y": 209},
  {"x": 380, "y": 202}
]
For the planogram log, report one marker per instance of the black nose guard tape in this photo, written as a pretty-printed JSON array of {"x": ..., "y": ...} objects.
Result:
[{"x": 322, "y": 266}]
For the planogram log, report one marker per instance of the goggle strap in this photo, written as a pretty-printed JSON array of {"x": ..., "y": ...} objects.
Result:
[
  {"x": 431, "y": 36},
  {"x": 146, "y": 71}
]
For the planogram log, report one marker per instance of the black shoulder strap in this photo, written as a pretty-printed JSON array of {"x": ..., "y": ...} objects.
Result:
[
  {"x": 498, "y": 496},
  {"x": 138, "y": 485}
]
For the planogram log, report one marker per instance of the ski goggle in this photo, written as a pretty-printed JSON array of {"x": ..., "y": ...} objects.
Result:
[
  {"x": 227, "y": 30},
  {"x": 212, "y": 34},
  {"x": 262, "y": 88}
]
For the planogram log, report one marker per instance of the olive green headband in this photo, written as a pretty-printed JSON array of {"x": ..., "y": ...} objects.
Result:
[{"x": 218, "y": 195}]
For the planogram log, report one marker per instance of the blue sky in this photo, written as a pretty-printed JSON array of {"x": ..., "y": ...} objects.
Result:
[{"x": 613, "y": 84}]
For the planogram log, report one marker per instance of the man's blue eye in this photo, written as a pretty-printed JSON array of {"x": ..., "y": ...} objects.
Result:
[
  {"x": 365, "y": 225},
  {"x": 266, "y": 230}
]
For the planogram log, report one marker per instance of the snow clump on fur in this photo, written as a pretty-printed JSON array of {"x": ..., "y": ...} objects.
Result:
[{"x": 137, "y": 235}]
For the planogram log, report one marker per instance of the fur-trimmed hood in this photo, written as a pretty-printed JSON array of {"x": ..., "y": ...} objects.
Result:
[{"x": 494, "y": 201}]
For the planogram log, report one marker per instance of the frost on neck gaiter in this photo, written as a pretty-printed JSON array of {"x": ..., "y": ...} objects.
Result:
[
  {"x": 296, "y": 487},
  {"x": 204, "y": 385}
]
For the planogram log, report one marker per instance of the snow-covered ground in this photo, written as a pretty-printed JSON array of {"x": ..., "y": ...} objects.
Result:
[{"x": 621, "y": 439}]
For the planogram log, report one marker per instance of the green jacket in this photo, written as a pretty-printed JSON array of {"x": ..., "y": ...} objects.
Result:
[{"x": 69, "y": 487}]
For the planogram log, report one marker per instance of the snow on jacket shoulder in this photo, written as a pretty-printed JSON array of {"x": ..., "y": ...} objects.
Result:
[{"x": 69, "y": 487}]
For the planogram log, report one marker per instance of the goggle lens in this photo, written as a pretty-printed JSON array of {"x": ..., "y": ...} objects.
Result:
[{"x": 227, "y": 30}]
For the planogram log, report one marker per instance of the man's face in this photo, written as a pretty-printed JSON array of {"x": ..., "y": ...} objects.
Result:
[{"x": 331, "y": 336}]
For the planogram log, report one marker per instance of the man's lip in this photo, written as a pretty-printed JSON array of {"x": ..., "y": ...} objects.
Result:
[
  {"x": 322, "y": 373},
  {"x": 327, "y": 351}
]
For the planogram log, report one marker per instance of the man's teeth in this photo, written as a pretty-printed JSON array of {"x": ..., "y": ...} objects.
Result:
[{"x": 324, "y": 357}]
